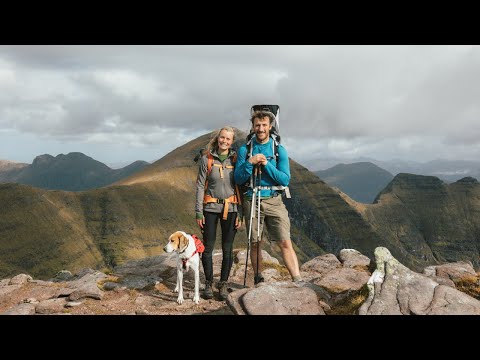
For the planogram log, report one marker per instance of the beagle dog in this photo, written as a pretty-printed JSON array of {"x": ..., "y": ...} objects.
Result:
[{"x": 187, "y": 255}]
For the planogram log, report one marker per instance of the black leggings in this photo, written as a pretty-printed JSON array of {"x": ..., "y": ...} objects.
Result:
[{"x": 209, "y": 236}]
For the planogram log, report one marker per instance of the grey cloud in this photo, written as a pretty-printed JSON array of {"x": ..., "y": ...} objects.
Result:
[{"x": 359, "y": 95}]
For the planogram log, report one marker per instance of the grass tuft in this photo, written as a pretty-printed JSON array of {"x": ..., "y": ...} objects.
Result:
[
  {"x": 351, "y": 304},
  {"x": 470, "y": 285}
]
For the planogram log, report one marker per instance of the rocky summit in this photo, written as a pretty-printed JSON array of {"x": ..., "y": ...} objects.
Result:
[{"x": 331, "y": 285}]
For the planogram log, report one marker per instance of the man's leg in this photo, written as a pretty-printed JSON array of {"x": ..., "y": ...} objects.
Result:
[
  {"x": 255, "y": 248},
  {"x": 277, "y": 224},
  {"x": 290, "y": 258}
]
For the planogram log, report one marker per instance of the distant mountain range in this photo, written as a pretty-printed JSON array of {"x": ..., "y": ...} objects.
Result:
[
  {"x": 361, "y": 181},
  {"x": 428, "y": 218},
  {"x": 420, "y": 219},
  {"x": 446, "y": 170},
  {"x": 72, "y": 172}
]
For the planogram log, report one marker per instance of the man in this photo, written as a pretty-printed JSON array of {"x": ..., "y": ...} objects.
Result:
[{"x": 273, "y": 213}]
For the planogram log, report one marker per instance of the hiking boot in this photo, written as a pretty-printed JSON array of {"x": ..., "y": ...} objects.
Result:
[
  {"x": 300, "y": 283},
  {"x": 222, "y": 287},
  {"x": 208, "y": 292},
  {"x": 258, "y": 279}
]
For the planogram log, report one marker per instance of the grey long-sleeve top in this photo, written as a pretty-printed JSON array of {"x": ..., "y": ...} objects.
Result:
[{"x": 217, "y": 187}]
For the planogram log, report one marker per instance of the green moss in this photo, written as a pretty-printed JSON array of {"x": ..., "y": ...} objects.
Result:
[{"x": 351, "y": 304}]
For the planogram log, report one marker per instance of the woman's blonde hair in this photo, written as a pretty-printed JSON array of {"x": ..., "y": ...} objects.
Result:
[{"x": 213, "y": 143}]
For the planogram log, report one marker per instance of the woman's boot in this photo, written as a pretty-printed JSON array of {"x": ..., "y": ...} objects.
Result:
[
  {"x": 222, "y": 287},
  {"x": 208, "y": 292}
]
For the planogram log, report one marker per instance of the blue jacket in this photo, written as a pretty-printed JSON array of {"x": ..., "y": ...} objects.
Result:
[{"x": 272, "y": 174}]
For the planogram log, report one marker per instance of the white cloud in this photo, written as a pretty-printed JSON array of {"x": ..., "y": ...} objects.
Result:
[{"x": 377, "y": 101}]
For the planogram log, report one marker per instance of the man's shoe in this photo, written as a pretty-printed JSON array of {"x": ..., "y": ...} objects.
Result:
[
  {"x": 300, "y": 283},
  {"x": 208, "y": 292},
  {"x": 258, "y": 279},
  {"x": 222, "y": 287}
]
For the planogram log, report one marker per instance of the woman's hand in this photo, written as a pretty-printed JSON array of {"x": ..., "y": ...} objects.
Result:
[
  {"x": 201, "y": 222},
  {"x": 238, "y": 222}
]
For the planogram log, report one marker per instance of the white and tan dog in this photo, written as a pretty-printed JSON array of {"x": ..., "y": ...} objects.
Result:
[{"x": 184, "y": 246}]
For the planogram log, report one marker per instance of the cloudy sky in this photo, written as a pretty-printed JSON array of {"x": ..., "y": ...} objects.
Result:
[{"x": 119, "y": 104}]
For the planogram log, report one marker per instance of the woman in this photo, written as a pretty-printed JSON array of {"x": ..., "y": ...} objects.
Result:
[{"x": 217, "y": 200}]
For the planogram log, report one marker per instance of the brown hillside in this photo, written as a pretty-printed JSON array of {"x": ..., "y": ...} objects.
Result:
[
  {"x": 437, "y": 222},
  {"x": 42, "y": 232},
  {"x": 103, "y": 227}
]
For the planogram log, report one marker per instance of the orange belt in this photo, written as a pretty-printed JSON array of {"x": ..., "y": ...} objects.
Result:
[{"x": 232, "y": 199}]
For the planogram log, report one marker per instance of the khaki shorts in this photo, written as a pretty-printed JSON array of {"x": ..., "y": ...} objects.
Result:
[{"x": 274, "y": 221}]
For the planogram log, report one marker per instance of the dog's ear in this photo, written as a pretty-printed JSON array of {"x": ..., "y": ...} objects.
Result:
[
  {"x": 175, "y": 239},
  {"x": 183, "y": 242}
]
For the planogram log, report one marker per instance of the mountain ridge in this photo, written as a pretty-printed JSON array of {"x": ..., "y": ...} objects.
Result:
[
  {"x": 131, "y": 218},
  {"x": 74, "y": 171},
  {"x": 447, "y": 170},
  {"x": 362, "y": 181}
]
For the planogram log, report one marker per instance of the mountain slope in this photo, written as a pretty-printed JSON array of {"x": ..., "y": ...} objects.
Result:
[
  {"x": 421, "y": 221},
  {"x": 43, "y": 230},
  {"x": 434, "y": 221},
  {"x": 112, "y": 224},
  {"x": 361, "y": 181},
  {"x": 73, "y": 172}
]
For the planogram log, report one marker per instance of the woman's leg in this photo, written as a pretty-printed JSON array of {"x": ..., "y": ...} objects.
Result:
[
  {"x": 228, "y": 235},
  {"x": 209, "y": 235}
]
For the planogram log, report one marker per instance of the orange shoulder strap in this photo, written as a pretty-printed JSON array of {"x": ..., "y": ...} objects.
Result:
[{"x": 210, "y": 163}]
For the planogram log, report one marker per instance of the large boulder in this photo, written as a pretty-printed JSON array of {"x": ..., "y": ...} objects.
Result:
[
  {"x": 396, "y": 290},
  {"x": 281, "y": 298}
]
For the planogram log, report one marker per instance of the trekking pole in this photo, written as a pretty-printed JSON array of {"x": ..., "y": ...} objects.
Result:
[
  {"x": 252, "y": 210},
  {"x": 258, "y": 218}
]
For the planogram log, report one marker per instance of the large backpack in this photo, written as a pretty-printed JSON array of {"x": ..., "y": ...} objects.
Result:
[{"x": 274, "y": 134}]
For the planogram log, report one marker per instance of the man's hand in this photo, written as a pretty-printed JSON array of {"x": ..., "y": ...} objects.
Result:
[{"x": 258, "y": 159}]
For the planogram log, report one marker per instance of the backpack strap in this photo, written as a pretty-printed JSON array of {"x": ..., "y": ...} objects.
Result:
[
  {"x": 249, "y": 145},
  {"x": 209, "y": 168},
  {"x": 275, "y": 146},
  {"x": 237, "y": 190},
  {"x": 210, "y": 163}
]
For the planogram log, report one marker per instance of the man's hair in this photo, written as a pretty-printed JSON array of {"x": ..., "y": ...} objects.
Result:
[{"x": 262, "y": 114}]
